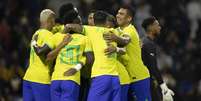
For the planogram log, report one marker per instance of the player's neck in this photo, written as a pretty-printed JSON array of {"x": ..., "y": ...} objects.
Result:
[
  {"x": 44, "y": 27},
  {"x": 124, "y": 26},
  {"x": 150, "y": 35}
]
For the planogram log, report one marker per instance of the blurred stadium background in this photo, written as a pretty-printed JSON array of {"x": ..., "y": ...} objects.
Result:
[{"x": 180, "y": 39}]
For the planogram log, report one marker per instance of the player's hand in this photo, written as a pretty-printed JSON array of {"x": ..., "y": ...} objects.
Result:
[
  {"x": 110, "y": 49},
  {"x": 168, "y": 96},
  {"x": 67, "y": 39},
  {"x": 67, "y": 28},
  {"x": 166, "y": 92},
  {"x": 70, "y": 72},
  {"x": 110, "y": 36}
]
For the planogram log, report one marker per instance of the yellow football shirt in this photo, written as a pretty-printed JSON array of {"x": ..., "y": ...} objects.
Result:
[
  {"x": 103, "y": 64},
  {"x": 38, "y": 70},
  {"x": 121, "y": 64},
  {"x": 135, "y": 67},
  {"x": 58, "y": 28},
  {"x": 69, "y": 56}
]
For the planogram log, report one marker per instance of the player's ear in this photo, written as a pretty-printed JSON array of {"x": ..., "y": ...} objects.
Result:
[{"x": 130, "y": 18}]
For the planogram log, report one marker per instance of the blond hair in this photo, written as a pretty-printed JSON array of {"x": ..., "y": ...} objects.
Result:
[{"x": 45, "y": 14}]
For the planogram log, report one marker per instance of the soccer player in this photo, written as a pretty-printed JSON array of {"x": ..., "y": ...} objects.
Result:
[
  {"x": 36, "y": 84},
  {"x": 149, "y": 56},
  {"x": 105, "y": 84},
  {"x": 69, "y": 61},
  {"x": 121, "y": 63},
  {"x": 139, "y": 74},
  {"x": 86, "y": 71}
]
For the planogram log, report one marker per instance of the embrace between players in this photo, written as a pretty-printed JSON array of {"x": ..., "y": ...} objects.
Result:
[{"x": 63, "y": 56}]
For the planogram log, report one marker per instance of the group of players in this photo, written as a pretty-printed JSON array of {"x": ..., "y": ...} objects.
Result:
[{"x": 67, "y": 58}]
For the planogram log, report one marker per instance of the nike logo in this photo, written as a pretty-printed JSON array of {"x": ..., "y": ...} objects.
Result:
[{"x": 152, "y": 54}]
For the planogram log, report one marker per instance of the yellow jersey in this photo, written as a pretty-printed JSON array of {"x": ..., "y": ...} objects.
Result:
[
  {"x": 38, "y": 70},
  {"x": 135, "y": 67},
  {"x": 69, "y": 56},
  {"x": 58, "y": 28},
  {"x": 122, "y": 63},
  {"x": 103, "y": 64}
]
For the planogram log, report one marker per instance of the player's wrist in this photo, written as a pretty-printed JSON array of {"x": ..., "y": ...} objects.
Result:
[
  {"x": 78, "y": 67},
  {"x": 119, "y": 49}
]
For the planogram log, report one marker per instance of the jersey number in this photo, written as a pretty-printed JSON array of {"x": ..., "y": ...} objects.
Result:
[{"x": 70, "y": 55}]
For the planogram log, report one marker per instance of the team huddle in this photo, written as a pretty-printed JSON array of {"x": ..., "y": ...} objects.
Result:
[{"x": 67, "y": 58}]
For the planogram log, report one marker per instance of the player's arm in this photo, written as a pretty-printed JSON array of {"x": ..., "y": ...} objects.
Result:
[
  {"x": 115, "y": 49},
  {"x": 42, "y": 51},
  {"x": 73, "y": 27},
  {"x": 149, "y": 59},
  {"x": 88, "y": 64},
  {"x": 89, "y": 59},
  {"x": 120, "y": 40},
  {"x": 53, "y": 54}
]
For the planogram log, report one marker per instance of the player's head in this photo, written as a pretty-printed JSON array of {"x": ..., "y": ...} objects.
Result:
[
  {"x": 47, "y": 18},
  {"x": 152, "y": 25},
  {"x": 125, "y": 15},
  {"x": 111, "y": 21},
  {"x": 68, "y": 13},
  {"x": 100, "y": 18},
  {"x": 91, "y": 18}
]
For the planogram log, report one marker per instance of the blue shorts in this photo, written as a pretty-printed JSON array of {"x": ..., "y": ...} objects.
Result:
[
  {"x": 35, "y": 91},
  {"x": 105, "y": 88},
  {"x": 64, "y": 90},
  {"x": 124, "y": 92},
  {"x": 141, "y": 90}
]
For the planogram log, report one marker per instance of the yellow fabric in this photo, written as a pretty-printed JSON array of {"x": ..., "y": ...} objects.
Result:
[
  {"x": 103, "y": 64},
  {"x": 135, "y": 67},
  {"x": 38, "y": 70},
  {"x": 121, "y": 63},
  {"x": 69, "y": 56},
  {"x": 58, "y": 28}
]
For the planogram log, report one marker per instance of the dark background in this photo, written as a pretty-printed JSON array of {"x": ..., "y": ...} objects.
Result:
[{"x": 179, "y": 41}]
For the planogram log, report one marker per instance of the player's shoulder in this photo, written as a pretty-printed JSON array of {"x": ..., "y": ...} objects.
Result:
[
  {"x": 57, "y": 35},
  {"x": 44, "y": 32},
  {"x": 80, "y": 36},
  {"x": 146, "y": 40},
  {"x": 130, "y": 28},
  {"x": 147, "y": 43}
]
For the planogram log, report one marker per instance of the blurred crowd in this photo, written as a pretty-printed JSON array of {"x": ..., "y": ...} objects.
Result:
[{"x": 180, "y": 39}]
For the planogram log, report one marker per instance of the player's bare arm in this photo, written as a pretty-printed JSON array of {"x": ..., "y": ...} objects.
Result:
[
  {"x": 112, "y": 49},
  {"x": 120, "y": 40}
]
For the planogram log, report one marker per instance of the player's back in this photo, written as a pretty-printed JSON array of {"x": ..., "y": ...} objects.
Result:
[
  {"x": 103, "y": 64},
  {"x": 39, "y": 70},
  {"x": 69, "y": 56}
]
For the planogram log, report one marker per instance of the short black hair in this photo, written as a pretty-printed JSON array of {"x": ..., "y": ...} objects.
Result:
[
  {"x": 65, "y": 8},
  {"x": 147, "y": 22},
  {"x": 112, "y": 19},
  {"x": 100, "y": 17},
  {"x": 70, "y": 16},
  {"x": 67, "y": 13},
  {"x": 130, "y": 10}
]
